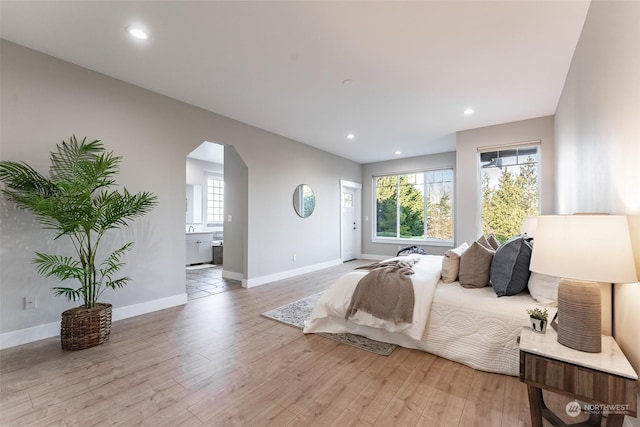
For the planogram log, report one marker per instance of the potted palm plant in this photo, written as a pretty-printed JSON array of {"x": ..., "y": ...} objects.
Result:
[{"x": 77, "y": 200}]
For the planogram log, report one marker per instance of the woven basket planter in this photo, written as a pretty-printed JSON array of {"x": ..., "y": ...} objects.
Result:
[{"x": 83, "y": 328}]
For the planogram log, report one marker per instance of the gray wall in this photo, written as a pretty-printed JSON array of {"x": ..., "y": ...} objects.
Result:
[
  {"x": 597, "y": 137},
  {"x": 468, "y": 142},
  {"x": 45, "y": 100},
  {"x": 235, "y": 204},
  {"x": 411, "y": 164},
  {"x": 276, "y": 233}
]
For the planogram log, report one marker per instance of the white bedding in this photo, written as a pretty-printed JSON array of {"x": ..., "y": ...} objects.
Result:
[
  {"x": 336, "y": 300},
  {"x": 469, "y": 326}
]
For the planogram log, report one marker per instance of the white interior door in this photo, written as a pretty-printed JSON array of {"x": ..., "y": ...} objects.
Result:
[
  {"x": 350, "y": 220},
  {"x": 349, "y": 226}
]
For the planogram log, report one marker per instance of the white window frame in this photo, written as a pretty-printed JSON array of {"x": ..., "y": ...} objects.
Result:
[
  {"x": 505, "y": 147},
  {"x": 406, "y": 242},
  {"x": 217, "y": 178}
]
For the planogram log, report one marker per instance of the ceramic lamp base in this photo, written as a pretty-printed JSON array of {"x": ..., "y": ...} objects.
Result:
[{"x": 579, "y": 315}]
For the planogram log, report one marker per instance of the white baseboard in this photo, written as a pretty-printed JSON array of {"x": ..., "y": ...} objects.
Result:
[
  {"x": 48, "y": 330},
  {"x": 263, "y": 280},
  {"x": 375, "y": 257},
  {"x": 27, "y": 335},
  {"x": 232, "y": 275},
  {"x": 148, "y": 307}
]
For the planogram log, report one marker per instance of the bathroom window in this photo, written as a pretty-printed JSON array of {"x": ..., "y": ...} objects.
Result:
[{"x": 215, "y": 200}]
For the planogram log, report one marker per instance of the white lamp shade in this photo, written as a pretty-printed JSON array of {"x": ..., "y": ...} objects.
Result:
[
  {"x": 529, "y": 226},
  {"x": 584, "y": 247}
]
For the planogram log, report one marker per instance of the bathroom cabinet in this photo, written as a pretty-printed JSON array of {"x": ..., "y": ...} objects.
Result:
[
  {"x": 199, "y": 248},
  {"x": 217, "y": 254}
]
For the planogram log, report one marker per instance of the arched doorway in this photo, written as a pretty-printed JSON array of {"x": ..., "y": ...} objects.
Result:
[{"x": 211, "y": 199}]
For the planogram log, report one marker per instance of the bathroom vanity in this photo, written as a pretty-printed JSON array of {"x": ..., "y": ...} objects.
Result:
[{"x": 199, "y": 247}]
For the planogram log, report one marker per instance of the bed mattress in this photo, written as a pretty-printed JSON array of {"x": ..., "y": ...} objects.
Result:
[
  {"x": 470, "y": 326},
  {"x": 476, "y": 328}
]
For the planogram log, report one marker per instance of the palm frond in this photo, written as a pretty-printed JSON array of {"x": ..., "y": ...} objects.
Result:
[
  {"x": 117, "y": 210},
  {"x": 112, "y": 263},
  {"x": 20, "y": 177},
  {"x": 117, "y": 283},
  {"x": 69, "y": 293},
  {"x": 65, "y": 161},
  {"x": 62, "y": 267}
]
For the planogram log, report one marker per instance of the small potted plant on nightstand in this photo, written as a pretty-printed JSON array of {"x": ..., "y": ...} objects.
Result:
[{"x": 538, "y": 318}]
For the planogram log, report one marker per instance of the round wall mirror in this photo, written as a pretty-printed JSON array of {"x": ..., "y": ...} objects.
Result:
[{"x": 304, "y": 200}]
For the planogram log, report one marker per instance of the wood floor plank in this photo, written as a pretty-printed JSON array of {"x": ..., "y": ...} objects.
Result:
[
  {"x": 406, "y": 407},
  {"x": 514, "y": 414},
  {"x": 447, "y": 401},
  {"x": 216, "y": 361},
  {"x": 485, "y": 401}
]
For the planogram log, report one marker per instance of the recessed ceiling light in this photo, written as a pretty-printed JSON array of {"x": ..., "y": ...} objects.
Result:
[
  {"x": 351, "y": 136},
  {"x": 469, "y": 111},
  {"x": 137, "y": 33},
  {"x": 398, "y": 152}
]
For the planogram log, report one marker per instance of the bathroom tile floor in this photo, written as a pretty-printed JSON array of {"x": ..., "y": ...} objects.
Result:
[{"x": 206, "y": 279}]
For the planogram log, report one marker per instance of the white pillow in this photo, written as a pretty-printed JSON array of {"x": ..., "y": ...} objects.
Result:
[
  {"x": 544, "y": 288},
  {"x": 451, "y": 263}
]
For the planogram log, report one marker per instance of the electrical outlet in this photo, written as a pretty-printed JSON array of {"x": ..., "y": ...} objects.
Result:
[{"x": 30, "y": 302}]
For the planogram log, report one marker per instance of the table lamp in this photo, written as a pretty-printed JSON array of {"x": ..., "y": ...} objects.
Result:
[
  {"x": 582, "y": 250},
  {"x": 529, "y": 225}
]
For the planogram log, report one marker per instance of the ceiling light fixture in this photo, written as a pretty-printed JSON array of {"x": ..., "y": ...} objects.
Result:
[
  {"x": 398, "y": 152},
  {"x": 351, "y": 136},
  {"x": 468, "y": 111},
  {"x": 137, "y": 33}
]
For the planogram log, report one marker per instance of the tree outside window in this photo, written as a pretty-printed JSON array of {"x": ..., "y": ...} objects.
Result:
[
  {"x": 509, "y": 189},
  {"x": 416, "y": 206}
]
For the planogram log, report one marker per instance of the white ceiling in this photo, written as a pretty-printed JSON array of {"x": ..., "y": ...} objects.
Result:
[
  {"x": 396, "y": 74},
  {"x": 208, "y": 151}
]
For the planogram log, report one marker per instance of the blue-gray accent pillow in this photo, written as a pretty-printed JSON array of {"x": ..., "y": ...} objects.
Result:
[{"x": 510, "y": 266}]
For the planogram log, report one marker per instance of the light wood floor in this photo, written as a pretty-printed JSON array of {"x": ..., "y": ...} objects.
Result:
[{"x": 216, "y": 361}]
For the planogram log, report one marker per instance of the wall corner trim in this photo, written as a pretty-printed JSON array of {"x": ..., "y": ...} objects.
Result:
[{"x": 232, "y": 275}]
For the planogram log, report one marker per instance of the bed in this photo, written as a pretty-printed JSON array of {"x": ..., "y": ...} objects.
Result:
[{"x": 470, "y": 326}]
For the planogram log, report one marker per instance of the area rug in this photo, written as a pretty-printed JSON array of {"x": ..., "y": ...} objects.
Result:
[{"x": 297, "y": 312}]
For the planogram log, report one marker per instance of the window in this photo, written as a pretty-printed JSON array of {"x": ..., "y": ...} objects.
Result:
[
  {"x": 415, "y": 206},
  {"x": 347, "y": 200},
  {"x": 509, "y": 189},
  {"x": 215, "y": 200}
]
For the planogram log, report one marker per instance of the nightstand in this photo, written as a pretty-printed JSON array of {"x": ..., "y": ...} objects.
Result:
[{"x": 600, "y": 382}]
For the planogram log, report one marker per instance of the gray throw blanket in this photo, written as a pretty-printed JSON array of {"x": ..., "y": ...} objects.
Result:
[{"x": 385, "y": 292}]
